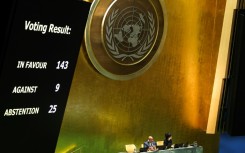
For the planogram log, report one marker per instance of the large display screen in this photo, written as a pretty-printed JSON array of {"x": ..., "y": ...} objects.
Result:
[{"x": 38, "y": 60}]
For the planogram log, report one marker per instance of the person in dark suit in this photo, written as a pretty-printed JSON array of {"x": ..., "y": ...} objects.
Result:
[
  {"x": 150, "y": 144},
  {"x": 168, "y": 140}
]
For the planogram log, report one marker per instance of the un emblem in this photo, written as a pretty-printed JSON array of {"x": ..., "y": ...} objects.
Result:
[
  {"x": 122, "y": 37},
  {"x": 129, "y": 34}
]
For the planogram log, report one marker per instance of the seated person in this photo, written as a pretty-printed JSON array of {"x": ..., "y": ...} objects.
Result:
[
  {"x": 168, "y": 140},
  {"x": 150, "y": 144}
]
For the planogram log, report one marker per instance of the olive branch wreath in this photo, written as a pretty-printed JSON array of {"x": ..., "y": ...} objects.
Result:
[{"x": 113, "y": 48}]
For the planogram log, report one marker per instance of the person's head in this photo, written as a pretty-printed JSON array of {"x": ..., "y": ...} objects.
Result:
[
  {"x": 150, "y": 139},
  {"x": 168, "y": 135}
]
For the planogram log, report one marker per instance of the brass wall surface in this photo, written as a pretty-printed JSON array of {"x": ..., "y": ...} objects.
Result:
[{"x": 173, "y": 95}]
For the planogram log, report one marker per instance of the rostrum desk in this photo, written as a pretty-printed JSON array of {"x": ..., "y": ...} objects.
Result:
[{"x": 190, "y": 149}]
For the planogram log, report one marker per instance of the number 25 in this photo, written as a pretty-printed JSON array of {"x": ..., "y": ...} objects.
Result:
[{"x": 52, "y": 109}]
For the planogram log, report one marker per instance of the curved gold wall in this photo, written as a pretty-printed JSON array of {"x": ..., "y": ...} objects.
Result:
[{"x": 102, "y": 115}]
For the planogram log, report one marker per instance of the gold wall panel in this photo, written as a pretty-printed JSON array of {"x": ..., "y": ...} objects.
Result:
[{"x": 173, "y": 95}]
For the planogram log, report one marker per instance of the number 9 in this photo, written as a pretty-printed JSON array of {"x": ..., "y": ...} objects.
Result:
[{"x": 57, "y": 87}]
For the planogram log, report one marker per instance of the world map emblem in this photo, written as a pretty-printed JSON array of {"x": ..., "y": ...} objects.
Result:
[
  {"x": 129, "y": 34},
  {"x": 123, "y": 36}
]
